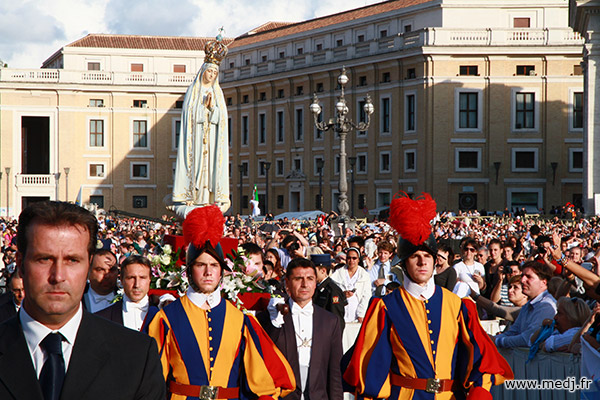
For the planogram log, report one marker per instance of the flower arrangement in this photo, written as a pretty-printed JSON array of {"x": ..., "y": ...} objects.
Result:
[
  {"x": 166, "y": 274},
  {"x": 245, "y": 277}
]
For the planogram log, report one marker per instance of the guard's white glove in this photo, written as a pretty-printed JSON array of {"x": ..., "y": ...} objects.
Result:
[{"x": 276, "y": 316}]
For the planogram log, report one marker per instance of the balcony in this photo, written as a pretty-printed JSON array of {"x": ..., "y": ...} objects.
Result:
[
  {"x": 26, "y": 180},
  {"x": 502, "y": 40},
  {"x": 95, "y": 77}
]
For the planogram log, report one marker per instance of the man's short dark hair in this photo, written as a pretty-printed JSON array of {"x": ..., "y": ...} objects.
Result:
[
  {"x": 252, "y": 248},
  {"x": 299, "y": 262},
  {"x": 540, "y": 269},
  {"x": 540, "y": 240},
  {"x": 56, "y": 213},
  {"x": 288, "y": 240},
  {"x": 104, "y": 252},
  {"x": 134, "y": 259},
  {"x": 359, "y": 240},
  {"x": 534, "y": 230},
  {"x": 12, "y": 276}
]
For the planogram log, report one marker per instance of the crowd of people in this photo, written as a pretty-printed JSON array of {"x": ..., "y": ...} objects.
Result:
[{"x": 539, "y": 275}]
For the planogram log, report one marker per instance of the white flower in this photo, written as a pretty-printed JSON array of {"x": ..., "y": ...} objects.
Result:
[
  {"x": 154, "y": 260},
  {"x": 167, "y": 249},
  {"x": 165, "y": 259}
]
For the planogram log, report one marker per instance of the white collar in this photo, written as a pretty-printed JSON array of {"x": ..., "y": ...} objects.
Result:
[
  {"x": 97, "y": 298},
  {"x": 307, "y": 310},
  {"x": 129, "y": 305},
  {"x": 35, "y": 331},
  {"x": 199, "y": 299},
  {"x": 417, "y": 291}
]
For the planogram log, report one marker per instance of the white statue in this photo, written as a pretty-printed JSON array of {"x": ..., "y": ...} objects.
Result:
[{"x": 202, "y": 168}]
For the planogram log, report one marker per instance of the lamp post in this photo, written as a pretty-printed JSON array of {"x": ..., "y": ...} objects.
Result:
[
  {"x": 241, "y": 169},
  {"x": 57, "y": 176},
  {"x": 7, "y": 170},
  {"x": 0, "y": 183},
  {"x": 342, "y": 125},
  {"x": 497, "y": 168},
  {"x": 554, "y": 166},
  {"x": 267, "y": 166},
  {"x": 320, "y": 165},
  {"x": 352, "y": 161},
  {"x": 67, "y": 170}
]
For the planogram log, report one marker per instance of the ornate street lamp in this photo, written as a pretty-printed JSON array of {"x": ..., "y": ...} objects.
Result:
[
  {"x": 342, "y": 125},
  {"x": 67, "y": 170},
  {"x": 352, "y": 161},
  {"x": 267, "y": 166},
  {"x": 241, "y": 169},
  {"x": 320, "y": 165},
  {"x": 7, "y": 170}
]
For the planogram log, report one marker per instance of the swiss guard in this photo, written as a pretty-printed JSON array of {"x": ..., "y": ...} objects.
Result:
[
  {"x": 422, "y": 341},
  {"x": 209, "y": 349}
]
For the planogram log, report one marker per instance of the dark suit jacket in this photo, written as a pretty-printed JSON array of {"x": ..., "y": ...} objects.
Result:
[
  {"x": 114, "y": 313},
  {"x": 324, "y": 380},
  {"x": 7, "y": 310},
  {"x": 330, "y": 297},
  {"x": 107, "y": 362}
]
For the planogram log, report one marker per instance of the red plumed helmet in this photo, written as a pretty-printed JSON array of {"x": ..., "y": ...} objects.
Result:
[
  {"x": 204, "y": 224},
  {"x": 411, "y": 218}
]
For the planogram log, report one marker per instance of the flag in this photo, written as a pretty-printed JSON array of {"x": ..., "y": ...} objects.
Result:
[{"x": 255, "y": 193}]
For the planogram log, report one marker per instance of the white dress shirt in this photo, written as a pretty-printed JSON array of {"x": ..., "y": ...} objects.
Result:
[
  {"x": 303, "y": 327},
  {"x": 97, "y": 302},
  {"x": 134, "y": 313},
  {"x": 199, "y": 299},
  {"x": 35, "y": 332}
]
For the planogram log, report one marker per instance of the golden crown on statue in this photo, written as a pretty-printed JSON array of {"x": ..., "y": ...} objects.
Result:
[{"x": 215, "y": 50}]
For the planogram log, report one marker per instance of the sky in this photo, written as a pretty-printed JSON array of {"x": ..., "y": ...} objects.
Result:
[{"x": 33, "y": 30}]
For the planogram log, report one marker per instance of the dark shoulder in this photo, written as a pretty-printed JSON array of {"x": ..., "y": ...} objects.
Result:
[
  {"x": 107, "y": 312},
  {"x": 324, "y": 315},
  {"x": 118, "y": 336},
  {"x": 332, "y": 286}
]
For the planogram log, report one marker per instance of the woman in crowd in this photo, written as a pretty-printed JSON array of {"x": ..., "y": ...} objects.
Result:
[
  {"x": 445, "y": 275},
  {"x": 571, "y": 315},
  {"x": 515, "y": 296}
]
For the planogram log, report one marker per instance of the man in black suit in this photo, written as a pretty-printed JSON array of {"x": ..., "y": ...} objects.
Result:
[
  {"x": 328, "y": 294},
  {"x": 308, "y": 336},
  {"x": 103, "y": 274},
  {"x": 134, "y": 310},
  {"x": 53, "y": 349},
  {"x": 17, "y": 293}
]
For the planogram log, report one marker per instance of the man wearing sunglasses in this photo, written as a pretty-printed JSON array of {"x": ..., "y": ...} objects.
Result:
[{"x": 470, "y": 273}]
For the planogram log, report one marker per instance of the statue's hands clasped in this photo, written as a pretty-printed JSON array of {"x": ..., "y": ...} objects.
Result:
[{"x": 208, "y": 101}]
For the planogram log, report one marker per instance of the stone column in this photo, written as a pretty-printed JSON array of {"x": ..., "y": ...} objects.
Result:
[{"x": 585, "y": 19}]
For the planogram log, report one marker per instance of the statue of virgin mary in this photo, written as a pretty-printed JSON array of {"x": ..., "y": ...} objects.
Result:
[{"x": 202, "y": 167}]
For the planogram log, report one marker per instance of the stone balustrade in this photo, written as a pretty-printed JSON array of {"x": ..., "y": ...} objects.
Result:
[{"x": 431, "y": 37}]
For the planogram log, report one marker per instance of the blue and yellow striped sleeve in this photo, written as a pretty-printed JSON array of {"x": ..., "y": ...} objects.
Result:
[{"x": 268, "y": 374}]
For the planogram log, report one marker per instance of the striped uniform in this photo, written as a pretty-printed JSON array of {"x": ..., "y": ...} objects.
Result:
[
  {"x": 219, "y": 347},
  {"x": 436, "y": 338}
]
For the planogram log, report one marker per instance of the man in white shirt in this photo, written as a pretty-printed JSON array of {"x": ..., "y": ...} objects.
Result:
[
  {"x": 308, "y": 336},
  {"x": 380, "y": 273},
  {"x": 134, "y": 310},
  {"x": 54, "y": 349},
  {"x": 103, "y": 281}
]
